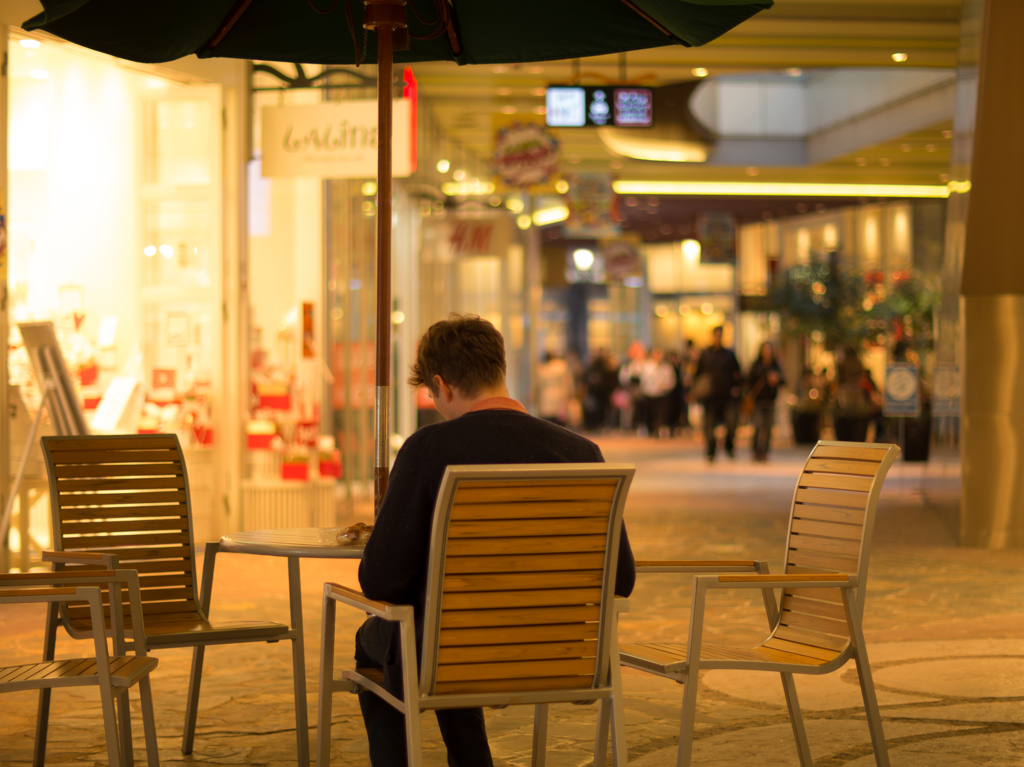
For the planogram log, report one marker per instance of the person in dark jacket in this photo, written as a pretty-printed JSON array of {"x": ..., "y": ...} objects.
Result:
[
  {"x": 718, "y": 374},
  {"x": 763, "y": 384},
  {"x": 461, "y": 361}
]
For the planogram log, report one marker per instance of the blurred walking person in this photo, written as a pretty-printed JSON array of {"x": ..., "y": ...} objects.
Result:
[
  {"x": 657, "y": 381},
  {"x": 716, "y": 385},
  {"x": 763, "y": 384},
  {"x": 555, "y": 387},
  {"x": 630, "y": 376}
]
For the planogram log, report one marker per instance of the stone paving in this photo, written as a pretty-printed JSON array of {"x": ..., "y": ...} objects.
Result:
[{"x": 944, "y": 626}]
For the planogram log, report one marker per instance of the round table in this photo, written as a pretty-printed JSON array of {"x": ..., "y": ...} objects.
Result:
[{"x": 293, "y": 543}]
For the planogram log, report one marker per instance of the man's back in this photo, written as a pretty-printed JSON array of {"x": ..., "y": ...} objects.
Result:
[{"x": 395, "y": 562}]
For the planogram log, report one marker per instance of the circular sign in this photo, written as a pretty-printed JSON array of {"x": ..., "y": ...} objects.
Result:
[
  {"x": 901, "y": 384},
  {"x": 525, "y": 154}
]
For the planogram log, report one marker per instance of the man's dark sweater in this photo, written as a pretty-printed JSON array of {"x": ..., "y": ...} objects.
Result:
[{"x": 394, "y": 566}]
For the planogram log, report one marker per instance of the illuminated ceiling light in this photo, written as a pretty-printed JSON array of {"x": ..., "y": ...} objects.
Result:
[
  {"x": 947, "y": 134},
  {"x": 500, "y": 69},
  {"x": 684, "y": 309},
  {"x": 539, "y": 91},
  {"x": 553, "y": 215},
  {"x": 26, "y": 43},
  {"x": 504, "y": 91},
  {"x": 583, "y": 258},
  {"x": 752, "y": 171},
  {"x": 536, "y": 70},
  {"x": 443, "y": 166},
  {"x": 368, "y": 208},
  {"x": 831, "y": 236},
  {"x": 523, "y": 222},
  {"x": 149, "y": 250},
  {"x": 691, "y": 250},
  {"x": 495, "y": 201},
  {"x": 699, "y": 72},
  {"x": 899, "y": 58},
  {"x": 514, "y": 204},
  {"x": 885, "y": 162},
  {"x": 943, "y": 177},
  {"x": 397, "y": 317},
  {"x": 930, "y": 147},
  {"x": 540, "y": 110},
  {"x": 958, "y": 187},
  {"x": 459, "y": 175},
  {"x": 707, "y": 309},
  {"x": 652, "y": 148},
  {"x": 38, "y": 74},
  {"x": 508, "y": 109},
  {"x": 769, "y": 189},
  {"x": 561, "y": 186},
  {"x": 861, "y": 161},
  {"x": 166, "y": 251},
  {"x": 369, "y": 188},
  {"x": 661, "y": 310},
  {"x": 905, "y": 147},
  {"x": 794, "y": 71}
]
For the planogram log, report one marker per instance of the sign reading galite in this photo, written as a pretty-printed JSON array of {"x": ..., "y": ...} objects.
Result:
[{"x": 333, "y": 140}]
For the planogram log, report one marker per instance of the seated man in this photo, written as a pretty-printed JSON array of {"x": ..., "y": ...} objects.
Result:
[{"x": 461, "y": 361}]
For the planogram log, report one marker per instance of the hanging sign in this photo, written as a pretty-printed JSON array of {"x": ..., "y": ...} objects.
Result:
[
  {"x": 525, "y": 154},
  {"x": 592, "y": 207},
  {"x": 902, "y": 391},
  {"x": 334, "y": 140}
]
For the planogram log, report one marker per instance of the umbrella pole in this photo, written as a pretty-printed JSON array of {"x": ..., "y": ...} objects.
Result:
[{"x": 384, "y": 16}]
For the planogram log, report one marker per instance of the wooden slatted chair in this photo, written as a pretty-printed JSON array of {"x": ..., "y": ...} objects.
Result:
[
  {"x": 113, "y": 674},
  {"x": 123, "y": 501},
  {"x": 819, "y": 627},
  {"x": 519, "y": 606}
]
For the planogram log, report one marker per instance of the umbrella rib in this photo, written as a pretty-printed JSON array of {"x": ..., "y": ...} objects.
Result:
[
  {"x": 650, "y": 20},
  {"x": 229, "y": 21}
]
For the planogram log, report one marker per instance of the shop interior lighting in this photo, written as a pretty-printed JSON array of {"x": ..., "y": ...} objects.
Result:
[
  {"x": 684, "y": 309},
  {"x": 691, "y": 250},
  {"x": 523, "y": 222},
  {"x": 769, "y": 189},
  {"x": 149, "y": 250},
  {"x": 38, "y": 74},
  {"x": 459, "y": 175},
  {"x": 443, "y": 166},
  {"x": 369, "y": 188},
  {"x": 583, "y": 258},
  {"x": 166, "y": 251},
  {"x": 794, "y": 71},
  {"x": 661, "y": 310},
  {"x": 899, "y": 58},
  {"x": 552, "y": 215},
  {"x": 514, "y": 204},
  {"x": 561, "y": 186},
  {"x": 495, "y": 201},
  {"x": 699, "y": 72},
  {"x": 27, "y": 43},
  {"x": 707, "y": 309},
  {"x": 397, "y": 317},
  {"x": 472, "y": 188}
]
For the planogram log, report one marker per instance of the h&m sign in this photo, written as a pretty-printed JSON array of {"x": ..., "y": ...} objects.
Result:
[{"x": 334, "y": 140}]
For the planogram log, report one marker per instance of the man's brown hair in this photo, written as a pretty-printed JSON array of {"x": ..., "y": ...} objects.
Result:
[{"x": 466, "y": 351}]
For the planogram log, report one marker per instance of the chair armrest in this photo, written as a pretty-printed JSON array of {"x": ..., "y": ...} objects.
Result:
[
  {"x": 701, "y": 566},
  {"x": 109, "y": 561},
  {"x": 353, "y": 598},
  {"x": 30, "y": 594}
]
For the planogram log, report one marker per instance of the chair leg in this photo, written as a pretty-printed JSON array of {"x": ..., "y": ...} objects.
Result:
[
  {"x": 298, "y": 662},
  {"x": 114, "y": 754},
  {"x": 192, "y": 702},
  {"x": 540, "y": 734},
  {"x": 149, "y": 722},
  {"x": 687, "y": 720},
  {"x": 604, "y": 720},
  {"x": 124, "y": 720},
  {"x": 326, "y": 695},
  {"x": 43, "y": 715},
  {"x": 796, "y": 719},
  {"x": 867, "y": 689},
  {"x": 410, "y": 695}
]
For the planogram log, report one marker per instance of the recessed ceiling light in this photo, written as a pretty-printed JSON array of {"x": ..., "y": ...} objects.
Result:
[
  {"x": 947, "y": 134},
  {"x": 930, "y": 147},
  {"x": 899, "y": 58},
  {"x": 443, "y": 166},
  {"x": 794, "y": 71},
  {"x": 861, "y": 161},
  {"x": 751, "y": 171},
  {"x": 539, "y": 91},
  {"x": 699, "y": 72},
  {"x": 540, "y": 110},
  {"x": 29, "y": 43},
  {"x": 38, "y": 74},
  {"x": 508, "y": 109},
  {"x": 905, "y": 147},
  {"x": 504, "y": 91},
  {"x": 885, "y": 162}
]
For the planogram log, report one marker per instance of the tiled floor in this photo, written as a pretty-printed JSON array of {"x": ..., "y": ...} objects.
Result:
[{"x": 945, "y": 632}]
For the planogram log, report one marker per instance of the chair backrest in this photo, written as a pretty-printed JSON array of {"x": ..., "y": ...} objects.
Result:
[
  {"x": 126, "y": 495},
  {"x": 830, "y": 531},
  {"x": 521, "y": 580}
]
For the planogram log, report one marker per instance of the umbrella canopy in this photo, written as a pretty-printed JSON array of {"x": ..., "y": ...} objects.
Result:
[
  {"x": 486, "y": 31},
  {"x": 337, "y": 32}
]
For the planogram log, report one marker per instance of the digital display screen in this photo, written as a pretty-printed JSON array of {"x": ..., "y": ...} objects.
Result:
[{"x": 579, "y": 106}]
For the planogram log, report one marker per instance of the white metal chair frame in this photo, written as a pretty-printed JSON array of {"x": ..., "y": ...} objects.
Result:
[
  {"x": 139, "y": 638},
  {"x": 114, "y": 675},
  {"x": 419, "y": 681},
  {"x": 851, "y": 588}
]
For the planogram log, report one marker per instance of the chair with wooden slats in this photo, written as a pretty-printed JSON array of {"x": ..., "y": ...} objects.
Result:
[
  {"x": 520, "y": 605},
  {"x": 122, "y": 501},
  {"x": 113, "y": 674},
  {"x": 819, "y": 627}
]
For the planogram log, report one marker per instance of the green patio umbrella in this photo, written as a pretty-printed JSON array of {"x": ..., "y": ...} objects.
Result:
[{"x": 337, "y": 32}]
